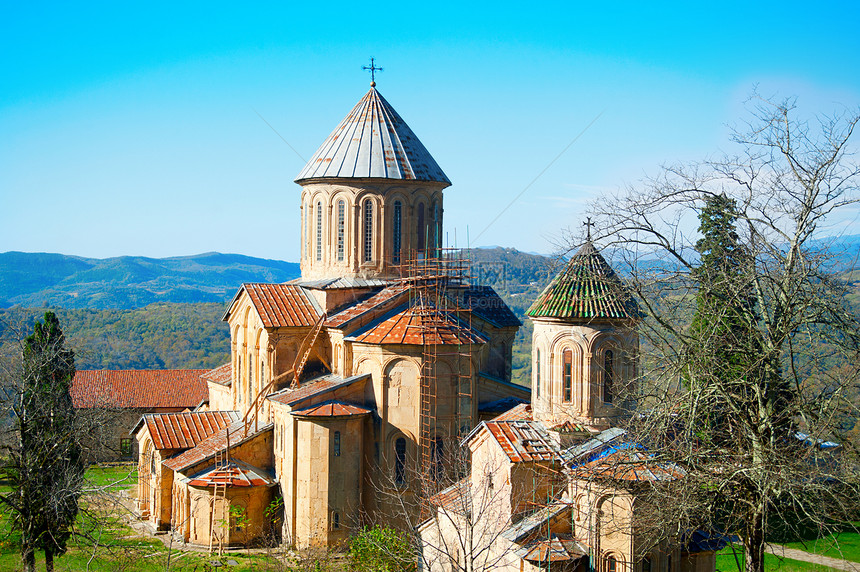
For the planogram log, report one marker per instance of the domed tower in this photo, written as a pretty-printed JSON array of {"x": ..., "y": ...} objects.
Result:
[
  {"x": 584, "y": 344},
  {"x": 371, "y": 197}
]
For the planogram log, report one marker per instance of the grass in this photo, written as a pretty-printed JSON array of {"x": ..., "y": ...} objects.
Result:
[
  {"x": 118, "y": 548},
  {"x": 844, "y": 544},
  {"x": 728, "y": 562}
]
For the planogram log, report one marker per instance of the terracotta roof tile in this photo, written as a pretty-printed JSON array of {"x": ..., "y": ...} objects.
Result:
[
  {"x": 457, "y": 497},
  {"x": 222, "y": 375},
  {"x": 379, "y": 302},
  {"x": 522, "y": 412},
  {"x": 414, "y": 325},
  {"x": 332, "y": 409},
  {"x": 629, "y": 465},
  {"x": 184, "y": 430},
  {"x": 553, "y": 550},
  {"x": 215, "y": 443},
  {"x": 587, "y": 288},
  {"x": 281, "y": 305},
  {"x": 314, "y": 388},
  {"x": 139, "y": 389},
  {"x": 234, "y": 474},
  {"x": 523, "y": 441}
]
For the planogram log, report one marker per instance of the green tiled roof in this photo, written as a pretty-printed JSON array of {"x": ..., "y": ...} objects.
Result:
[{"x": 587, "y": 288}]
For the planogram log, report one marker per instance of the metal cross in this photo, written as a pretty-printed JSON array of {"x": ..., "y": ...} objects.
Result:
[
  {"x": 588, "y": 224},
  {"x": 372, "y": 69}
]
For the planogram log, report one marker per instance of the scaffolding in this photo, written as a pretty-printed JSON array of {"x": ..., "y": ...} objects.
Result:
[{"x": 438, "y": 283}]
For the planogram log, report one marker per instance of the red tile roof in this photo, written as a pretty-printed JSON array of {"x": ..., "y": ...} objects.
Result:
[
  {"x": 280, "y": 305},
  {"x": 314, "y": 387},
  {"x": 523, "y": 441},
  {"x": 139, "y": 389},
  {"x": 215, "y": 443},
  {"x": 222, "y": 375},
  {"x": 457, "y": 497},
  {"x": 379, "y": 302},
  {"x": 184, "y": 430},
  {"x": 235, "y": 474},
  {"x": 414, "y": 325},
  {"x": 553, "y": 550},
  {"x": 332, "y": 409},
  {"x": 629, "y": 465},
  {"x": 522, "y": 412}
]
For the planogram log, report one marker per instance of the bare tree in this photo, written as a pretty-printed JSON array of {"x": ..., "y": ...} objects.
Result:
[{"x": 749, "y": 396}]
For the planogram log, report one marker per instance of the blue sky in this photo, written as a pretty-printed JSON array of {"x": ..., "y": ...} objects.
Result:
[{"x": 135, "y": 128}]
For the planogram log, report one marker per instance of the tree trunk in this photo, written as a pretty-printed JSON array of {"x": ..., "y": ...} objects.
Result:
[
  {"x": 28, "y": 558},
  {"x": 49, "y": 560},
  {"x": 754, "y": 542}
]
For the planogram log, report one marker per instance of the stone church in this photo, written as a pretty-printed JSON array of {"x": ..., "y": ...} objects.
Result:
[{"x": 356, "y": 385}]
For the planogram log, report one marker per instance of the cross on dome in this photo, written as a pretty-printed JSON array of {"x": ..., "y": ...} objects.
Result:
[{"x": 372, "y": 69}]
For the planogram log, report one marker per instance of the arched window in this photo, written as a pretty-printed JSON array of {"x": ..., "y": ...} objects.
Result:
[
  {"x": 400, "y": 461},
  {"x": 335, "y": 521},
  {"x": 646, "y": 564},
  {"x": 319, "y": 230},
  {"x": 537, "y": 372},
  {"x": 608, "y": 376},
  {"x": 437, "y": 226},
  {"x": 421, "y": 230},
  {"x": 337, "y": 443},
  {"x": 368, "y": 230},
  {"x": 669, "y": 563},
  {"x": 341, "y": 225},
  {"x": 437, "y": 459},
  {"x": 611, "y": 564},
  {"x": 567, "y": 374},
  {"x": 398, "y": 229}
]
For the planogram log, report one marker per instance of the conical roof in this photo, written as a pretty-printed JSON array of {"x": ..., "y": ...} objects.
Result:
[
  {"x": 373, "y": 141},
  {"x": 586, "y": 289}
]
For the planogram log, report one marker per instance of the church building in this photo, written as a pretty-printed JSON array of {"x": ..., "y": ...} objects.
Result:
[{"x": 382, "y": 377}]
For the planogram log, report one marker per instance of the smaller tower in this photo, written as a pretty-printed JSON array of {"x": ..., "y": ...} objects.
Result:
[{"x": 584, "y": 344}]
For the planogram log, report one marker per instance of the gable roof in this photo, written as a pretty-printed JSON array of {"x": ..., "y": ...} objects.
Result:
[
  {"x": 382, "y": 300},
  {"x": 234, "y": 474},
  {"x": 587, "y": 288},
  {"x": 486, "y": 304},
  {"x": 222, "y": 375},
  {"x": 521, "y": 441},
  {"x": 630, "y": 465},
  {"x": 415, "y": 325},
  {"x": 214, "y": 443},
  {"x": 280, "y": 305},
  {"x": 314, "y": 388},
  {"x": 184, "y": 430},
  {"x": 138, "y": 389},
  {"x": 332, "y": 409},
  {"x": 373, "y": 142}
]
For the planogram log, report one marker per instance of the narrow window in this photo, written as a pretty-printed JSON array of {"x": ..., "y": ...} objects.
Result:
[
  {"x": 669, "y": 564},
  {"x": 262, "y": 372},
  {"x": 611, "y": 564},
  {"x": 437, "y": 227},
  {"x": 376, "y": 451},
  {"x": 341, "y": 225},
  {"x": 537, "y": 372},
  {"x": 608, "y": 376},
  {"x": 436, "y": 458},
  {"x": 337, "y": 443},
  {"x": 421, "y": 229},
  {"x": 398, "y": 223},
  {"x": 335, "y": 521},
  {"x": 250, "y": 381},
  {"x": 646, "y": 564},
  {"x": 400, "y": 461},
  {"x": 567, "y": 375},
  {"x": 319, "y": 230},
  {"x": 368, "y": 230}
]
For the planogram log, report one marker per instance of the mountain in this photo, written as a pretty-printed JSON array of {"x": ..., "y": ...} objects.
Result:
[{"x": 56, "y": 280}]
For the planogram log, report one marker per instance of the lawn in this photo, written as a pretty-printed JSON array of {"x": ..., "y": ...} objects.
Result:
[
  {"x": 844, "y": 544},
  {"x": 104, "y": 542},
  {"x": 728, "y": 562}
]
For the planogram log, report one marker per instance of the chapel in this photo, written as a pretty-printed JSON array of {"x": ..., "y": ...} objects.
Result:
[{"x": 382, "y": 377}]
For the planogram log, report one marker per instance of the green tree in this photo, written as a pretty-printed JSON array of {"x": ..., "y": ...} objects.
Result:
[
  {"x": 380, "y": 549},
  {"x": 757, "y": 325},
  {"x": 45, "y": 467}
]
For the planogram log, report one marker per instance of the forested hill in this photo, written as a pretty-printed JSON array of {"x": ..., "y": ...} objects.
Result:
[{"x": 56, "y": 280}]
